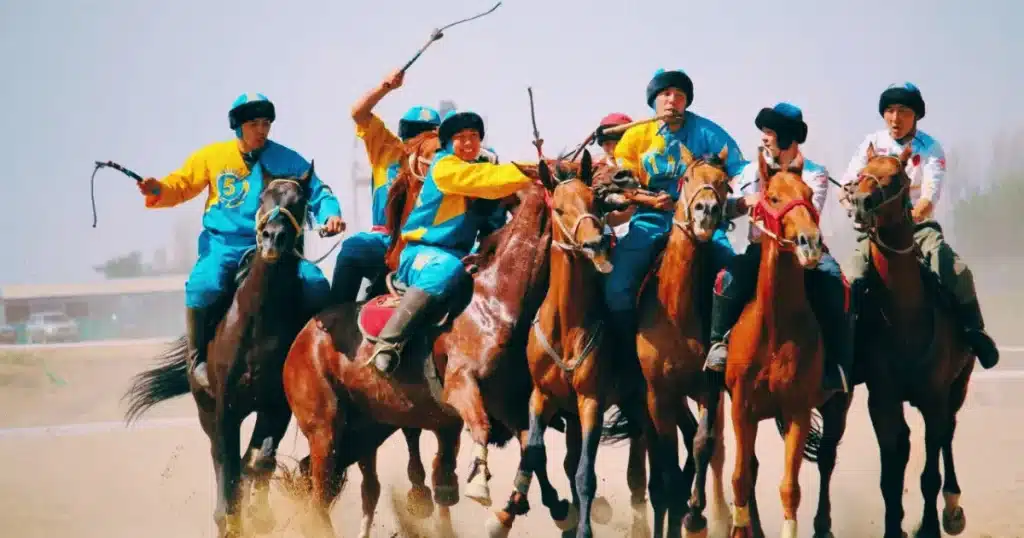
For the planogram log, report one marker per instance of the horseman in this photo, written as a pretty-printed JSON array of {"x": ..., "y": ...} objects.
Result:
[
  {"x": 232, "y": 173},
  {"x": 653, "y": 151},
  {"x": 618, "y": 221},
  {"x": 902, "y": 106},
  {"x": 782, "y": 131},
  {"x": 362, "y": 255},
  {"x": 443, "y": 226}
]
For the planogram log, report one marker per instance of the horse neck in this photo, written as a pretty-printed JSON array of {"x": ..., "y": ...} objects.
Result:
[
  {"x": 780, "y": 288},
  {"x": 572, "y": 289},
  {"x": 267, "y": 291},
  {"x": 679, "y": 272},
  {"x": 900, "y": 273}
]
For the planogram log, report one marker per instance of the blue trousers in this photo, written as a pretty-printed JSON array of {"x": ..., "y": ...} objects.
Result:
[
  {"x": 215, "y": 270},
  {"x": 436, "y": 270},
  {"x": 361, "y": 256},
  {"x": 634, "y": 253}
]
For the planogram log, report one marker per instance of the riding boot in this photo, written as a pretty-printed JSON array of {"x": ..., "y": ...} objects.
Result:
[
  {"x": 345, "y": 284},
  {"x": 624, "y": 328},
  {"x": 974, "y": 331},
  {"x": 837, "y": 334},
  {"x": 392, "y": 338},
  {"x": 725, "y": 312},
  {"x": 198, "y": 327}
]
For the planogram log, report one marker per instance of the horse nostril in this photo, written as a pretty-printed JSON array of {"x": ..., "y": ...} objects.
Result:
[
  {"x": 699, "y": 206},
  {"x": 802, "y": 240},
  {"x": 265, "y": 234}
]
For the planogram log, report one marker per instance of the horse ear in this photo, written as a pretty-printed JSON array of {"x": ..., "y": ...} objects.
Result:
[
  {"x": 586, "y": 168},
  {"x": 545, "y": 175},
  {"x": 797, "y": 164},
  {"x": 871, "y": 153},
  {"x": 309, "y": 173},
  {"x": 905, "y": 154},
  {"x": 686, "y": 154},
  {"x": 724, "y": 154}
]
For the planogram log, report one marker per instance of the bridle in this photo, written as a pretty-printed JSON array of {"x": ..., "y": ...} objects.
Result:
[
  {"x": 299, "y": 225},
  {"x": 769, "y": 220},
  {"x": 890, "y": 193},
  {"x": 691, "y": 198}
]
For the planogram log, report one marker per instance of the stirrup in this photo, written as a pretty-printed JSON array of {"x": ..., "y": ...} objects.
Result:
[{"x": 383, "y": 346}]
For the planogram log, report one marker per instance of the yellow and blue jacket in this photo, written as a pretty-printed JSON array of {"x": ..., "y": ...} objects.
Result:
[
  {"x": 383, "y": 150},
  {"x": 654, "y": 153},
  {"x": 442, "y": 215},
  {"x": 233, "y": 188}
]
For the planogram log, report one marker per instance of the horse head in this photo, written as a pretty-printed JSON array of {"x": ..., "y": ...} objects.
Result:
[
  {"x": 575, "y": 208},
  {"x": 879, "y": 197},
  {"x": 703, "y": 189},
  {"x": 785, "y": 212},
  {"x": 413, "y": 166},
  {"x": 282, "y": 214}
]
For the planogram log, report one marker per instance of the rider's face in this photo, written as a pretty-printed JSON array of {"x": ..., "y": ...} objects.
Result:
[
  {"x": 466, "y": 144},
  {"x": 900, "y": 121},
  {"x": 670, "y": 100},
  {"x": 255, "y": 133},
  {"x": 770, "y": 142}
]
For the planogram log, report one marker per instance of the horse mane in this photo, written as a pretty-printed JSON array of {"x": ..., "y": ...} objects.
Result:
[{"x": 424, "y": 145}]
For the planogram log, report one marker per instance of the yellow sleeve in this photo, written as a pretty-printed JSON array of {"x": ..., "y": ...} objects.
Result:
[
  {"x": 629, "y": 149},
  {"x": 452, "y": 175},
  {"x": 382, "y": 146},
  {"x": 183, "y": 184}
]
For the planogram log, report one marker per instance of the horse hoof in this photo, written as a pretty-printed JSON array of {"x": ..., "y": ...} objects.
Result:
[
  {"x": 696, "y": 525},
  {"x": 262, "y": 520},
  {"x": 498, "y": 525},
  {"x": 446, "y": 495},
  {"x": 572, "y": 519},
  {"x": 479, "y": 492},
  {"x": 418, "y": 502},
  {"x": 601, "y": 511},
  {"x": 954, "y": 522},
  {"x": 230, "y": 526},
  {"x": 828, "y": 534}
]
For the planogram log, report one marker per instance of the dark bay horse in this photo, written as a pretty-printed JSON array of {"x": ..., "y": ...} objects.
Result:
[
  {"x": 570, "y": 368},
  {"x": 776, "y": 358},
  {"x": 469, "y": 373},
  {"x": 246, "y": 356},
  {"x": 670, "y": 346},
  {"x": 908, "y": 349}
]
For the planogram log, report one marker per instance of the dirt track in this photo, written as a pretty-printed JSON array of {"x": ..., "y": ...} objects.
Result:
[{"x": 101, "y": 480}]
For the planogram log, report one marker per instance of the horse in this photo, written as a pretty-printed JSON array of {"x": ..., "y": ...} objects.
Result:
[
  {"x": 246, "y": 356},
  {"x": 908, "y": 348},
  {"x": 776, "y": 358},
  {"x": 579, "y": 380},
  {"x": 405, "y": 190},
  {"x": 469, "y": 374}
]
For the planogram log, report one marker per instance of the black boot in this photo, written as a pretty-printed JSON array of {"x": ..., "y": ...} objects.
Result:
[
  {"x": 414, "y": 306},
  {"x": 725, "y": 312},
  {"x": 345, "y": 284},
  {"x": 623, "y": 327},
  {"x": 974, "y": 330},
  {"x": 198, "y": 326},
  {"x": 838, "y": 353}
]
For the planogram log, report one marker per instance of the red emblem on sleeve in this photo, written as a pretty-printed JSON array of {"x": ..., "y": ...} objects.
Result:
[
  {"x": 942, "y": 164},
  {"x": 916, "y": 159}
]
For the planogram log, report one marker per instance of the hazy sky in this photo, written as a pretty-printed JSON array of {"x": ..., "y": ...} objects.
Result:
[{"x": 146, "y": 83}]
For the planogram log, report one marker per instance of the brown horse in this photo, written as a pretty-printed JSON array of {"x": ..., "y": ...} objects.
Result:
[
  {"x": 405, "y": 190},
  {"x": 469, "y": 373},
  {"x": 670, "y": 347},
  {"x": 578, "y": 380},
  {"x": 246, "y": 356},
  {"x": 908, "y": 349},
  {"x": 775, "y": 351}
]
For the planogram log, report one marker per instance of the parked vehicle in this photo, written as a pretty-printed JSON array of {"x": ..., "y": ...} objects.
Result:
[
  {"x": 46, "y": 327},
  {"x": 8, "y": 334}
]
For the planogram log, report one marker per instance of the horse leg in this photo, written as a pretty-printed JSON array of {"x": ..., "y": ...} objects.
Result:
[
  {"x": 418, "y": 501},
  {"x": 798, "y": 426},
  {"x": 833, "y": 418},
  {"x": 936, "y": 431},
  {"x": 462, "y": 392},
  {"x": 325, "y": 473},
  {"x": 228, "y": 465},
  {"x": 261, "y": 462},
  {"x": 745, "y": 428},
  {"x": 954, "y": 521},
  {"x": 665, "y": 472},
  {"x": 893, "y": 436},
  {"x": 636, "y": 479},
  {"x": 591, "y": 412},
  {"x": 705, "y": 448},
  {"x": 444, "y": 477}
]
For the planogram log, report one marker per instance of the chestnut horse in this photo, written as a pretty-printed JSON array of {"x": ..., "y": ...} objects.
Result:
[
  {"x": 469, "y": 373},
  {"x": 246, "y": 355},
  {"x": 776, "y": 359},
  {"x": 908, "y": 347},
  {"x": 579, "y": 379},
  {"x": 670, "y": 346}
]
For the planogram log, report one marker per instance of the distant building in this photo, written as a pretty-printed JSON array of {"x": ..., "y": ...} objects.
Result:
[{"x": 108, "y": 309}]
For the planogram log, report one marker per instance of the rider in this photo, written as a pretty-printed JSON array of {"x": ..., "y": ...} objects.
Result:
[
  {"x": 782, "y": 131},
  {"x": 362, "y": 255},
  {"x": 443, "y": 226},
  {"x": 902, "y": 106},
  {"x": 653, "y": 151},
  {"x": 232, "y": 172},
  {"x": 618, "y": 221}
]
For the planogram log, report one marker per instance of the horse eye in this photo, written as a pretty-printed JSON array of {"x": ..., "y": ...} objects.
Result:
[{"x": 774, "y": 199}]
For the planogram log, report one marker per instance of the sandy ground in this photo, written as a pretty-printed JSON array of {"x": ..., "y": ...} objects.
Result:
[{"x": 94, "y": 478}]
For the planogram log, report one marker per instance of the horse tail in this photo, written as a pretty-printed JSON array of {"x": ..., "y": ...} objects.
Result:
[
  {"x": 814, "y": 437},
  {"x": 169, "y": 379},
  {"x": 619, "y": 428}
]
